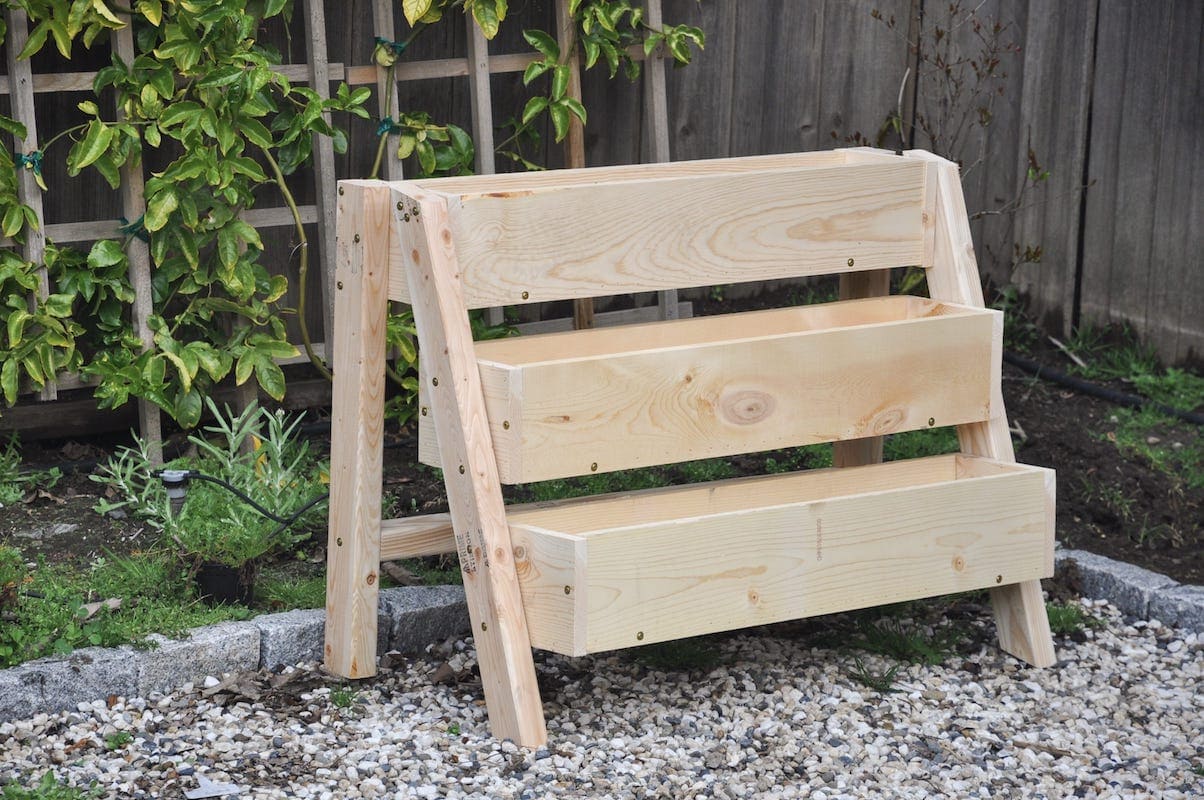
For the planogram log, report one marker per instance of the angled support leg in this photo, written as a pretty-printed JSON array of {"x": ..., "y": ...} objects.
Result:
[
  {"x": 353, "y": 548},
  {"x": 952, "y": 271},
  {"x": 474, "y": 491}
]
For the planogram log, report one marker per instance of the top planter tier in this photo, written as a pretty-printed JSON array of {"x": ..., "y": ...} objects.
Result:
[{"x": 565, "y": 404}]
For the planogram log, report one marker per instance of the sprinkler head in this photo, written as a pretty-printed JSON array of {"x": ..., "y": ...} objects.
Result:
[{"x": 176, "y": 483}]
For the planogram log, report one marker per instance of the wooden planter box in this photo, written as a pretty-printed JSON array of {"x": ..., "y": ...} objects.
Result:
[
  {"x": 573, "y": 403},
  {"x": 653, "y": 566}
]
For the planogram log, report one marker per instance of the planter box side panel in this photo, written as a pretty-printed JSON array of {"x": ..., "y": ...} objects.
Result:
[{"x": 702, "y": 575}]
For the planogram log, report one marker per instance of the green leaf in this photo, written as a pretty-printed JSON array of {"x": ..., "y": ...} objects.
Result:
[
  {"x": 591, "y": 52},
  {"x": 187, "y": 409},
  {"x": 105, "y": 253},
  {"x": 227, "y": 247},
  {"x": 560, "y": 120},
  {"x": 178, "y": 113},
  {"x": 9, "y": 380},
  {"x": 242, "y": 370},
  {"x": 151, "y": 9},
  {"x": 415, "y": 10},
  {"x": 544, "y": 43},
  {"x": 16, "y": 326},
  {"x": 270, "y": 377},
  {"x": 576, "y": 108},
  {"x": 223, "y": 76},
  {"x": 95, "y": 143},
  {"x": 560, "y": 81},
  {"x": 534, "y": 70},
  {"x": 160, "y": 208},
  {"x": 14, "y": 220},
  {"x": 534, "y": 108},
  {"x": 485, "y": 12},
  {"x": 426, "y": 157},
  {"x": 406, "y": 144},
  {"x": 255, "y": 132},
  {"x": 88, "y": 107},
  {"x": 37, "y": 38}
]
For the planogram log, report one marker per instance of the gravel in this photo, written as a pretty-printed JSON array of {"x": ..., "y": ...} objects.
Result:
[{"x": 778, "y": 717}]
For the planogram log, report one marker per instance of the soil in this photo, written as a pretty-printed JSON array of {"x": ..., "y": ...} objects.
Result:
[{"x": 1160, "y": 528}]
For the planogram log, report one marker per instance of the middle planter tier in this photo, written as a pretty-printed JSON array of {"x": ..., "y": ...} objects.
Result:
[{"x": 574, "y": 403}]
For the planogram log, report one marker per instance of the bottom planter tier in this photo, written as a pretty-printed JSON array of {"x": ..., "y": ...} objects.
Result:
[{"x": 651, "y": 566}]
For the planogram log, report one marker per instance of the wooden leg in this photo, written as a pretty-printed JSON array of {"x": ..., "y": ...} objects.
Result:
[
  {"x": 356, "y": 432},
  {"x": 1023, "y": 624},
  {"x": 474, "y": 492},
  {"x": 855, "y": 286}
]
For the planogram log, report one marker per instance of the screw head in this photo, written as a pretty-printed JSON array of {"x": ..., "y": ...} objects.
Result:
[
  {"x": 593, "y": 467},
  {"x": 639, "y": 636},
  {"x": 424, "y": 411},
  {"x": 931, "y": 421},
  {"x": 434, "y": 381},
  {"x": 506, "y": 424},
  {"x": 526, "y": 295},
  {"x": 355, "y": 238},
  {"x": 998, "y": 579},
  {"x": 339, "y": 541},
  {"x": 568, "y": 590},
  {"x": 484, "y": 626},
  {"x": 401, "y": 206},
  {"x": 339, "y": 284},
  {"x": 461, "y": 469},
  {"x": 341, "y": 191},
  {"x": 850, "y": 262}
]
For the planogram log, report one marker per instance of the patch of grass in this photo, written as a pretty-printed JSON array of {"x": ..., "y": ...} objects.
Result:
[
  {"x": 680, "y": 655},
  {"x": 344, "y": 697},
  {"x": 49, "y": 618},
  {"x": 921, "y": 443},
  {"x": 708, "y": 469},
  {"x": 436, "y": 570},
  {"x": 883, "y": 682},
  {"x": 118, "y": 740},
  {"x": 288, "y": 591},
  {"x": 47, "y": 787},
  {"x": 1066, "y": 619},
  {"x": 14, "y": 482},
  {"x": 1112, "y": 498},
  {"x": 453, "y": 728},
  {"x": 1149, "y": 435},
  {"x": 904, "y": 639},
  {"x": 814, "y": 456},
  {"x": 602, "y": 483}
]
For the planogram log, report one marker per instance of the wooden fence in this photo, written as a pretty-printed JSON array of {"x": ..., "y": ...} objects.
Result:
[{"x": 1106, "y": 93}]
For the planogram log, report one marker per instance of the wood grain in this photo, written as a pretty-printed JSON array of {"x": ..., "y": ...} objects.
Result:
[
  {"x": 572, "y": 404},
  {"x": 473, "y": 491},
  {"x": 844, "y": 548},
  {"x": 695, "y": 231},
  {"x": 357, "y": 417}
]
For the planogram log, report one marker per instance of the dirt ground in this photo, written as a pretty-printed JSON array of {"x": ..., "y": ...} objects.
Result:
[{"x": 1161, "y": 527}]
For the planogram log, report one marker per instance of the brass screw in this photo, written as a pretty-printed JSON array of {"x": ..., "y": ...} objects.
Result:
[
  {"x": 406, "y": 218},
  {"x": 340, "y": 191},
  {"x": 998, "y": 579},
  {"x": 339, "y": 541},
  {"x": 434, "y": 381},
  {"x": 400, "y": 206},
  {"x": 639, "y": 635},
  {"x": 339, "y": 284},
  {"x": 568, "y": 590},
  {"x": 931, "y": 421},
  {"x": 850, "y": 262},
  {"x": 424, "y": 411},
  {"x": 355, "y": 238},
  {"x": 461, "y": 469},
  {"x": 506, "y": 424},
  {"x": 593, "y": 467},
  {"x": 484, "y": 626},
  {"x": 414, "y": 210},
  {"x": 526, "y": 295}
]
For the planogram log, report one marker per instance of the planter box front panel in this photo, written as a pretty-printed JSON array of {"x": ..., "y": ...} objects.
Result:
[
  {"x": 559, "y": 404},
  {"x": 858, "y": 537}
]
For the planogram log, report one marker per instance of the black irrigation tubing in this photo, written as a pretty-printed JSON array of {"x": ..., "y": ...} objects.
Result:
[{"x": 1114, "y": 396}]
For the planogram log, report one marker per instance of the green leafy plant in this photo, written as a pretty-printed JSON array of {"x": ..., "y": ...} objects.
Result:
[
  {"x": 15, "y": 483},
  {"x": 12, "y": 575},
  {"x": 48, "y": 787},
  {"x": 118, "y": 740},
  {"x": 1067, "y": 619},
  {"x": 882, "y": 682},
  {"x": 344, "y": 697}
]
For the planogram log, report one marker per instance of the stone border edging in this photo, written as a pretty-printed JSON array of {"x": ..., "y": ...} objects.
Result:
[
  {"x": 408, "y": 619},
  {"x": 1134, "y": 590}
]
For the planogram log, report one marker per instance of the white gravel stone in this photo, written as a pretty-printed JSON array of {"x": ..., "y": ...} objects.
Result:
[{"x": 779, "y": 718}]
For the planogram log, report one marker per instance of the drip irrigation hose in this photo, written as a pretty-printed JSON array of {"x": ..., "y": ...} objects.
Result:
[
  {"x": 180, "y": 477},
  {"x": 1114, "y": 396}
]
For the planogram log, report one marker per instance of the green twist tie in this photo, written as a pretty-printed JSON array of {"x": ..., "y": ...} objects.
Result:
[
  {"x": 388, "y": 125},
  {"x": 31, "y": 161},
  {"x": 135, "y": 228},
  {"x": 397, "y": 47}
]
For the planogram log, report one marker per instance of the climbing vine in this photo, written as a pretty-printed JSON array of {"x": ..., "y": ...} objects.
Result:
[{"x": 204, "y": 98}]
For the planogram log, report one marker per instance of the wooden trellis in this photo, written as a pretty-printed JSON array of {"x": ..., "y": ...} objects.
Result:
[{"x": 478, "y": 67}]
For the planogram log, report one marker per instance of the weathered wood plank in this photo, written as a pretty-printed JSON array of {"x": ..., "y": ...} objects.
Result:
[
  {"x": 700, "y": 97},
  {"x": 28, "y": 192},
  {"x": 324, "y": 175}
]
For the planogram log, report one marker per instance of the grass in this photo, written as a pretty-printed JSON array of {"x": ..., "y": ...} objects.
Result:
[
  {"x": 118, "y": 740},
  {"x": 905, "y": 639},
  {"x": 47, "y": 788},
  {"x": 15, "y": 483},
  {"x": 882, "y": 682},
  {"x": 1067, "y": 619},
  {"x": 1146, "y": 434},
  {"x": 344, "y": 697},
  {"x": 284, "y": 589}
]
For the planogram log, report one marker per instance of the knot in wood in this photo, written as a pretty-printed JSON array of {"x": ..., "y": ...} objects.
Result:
[{"x": 746, "y": 406}]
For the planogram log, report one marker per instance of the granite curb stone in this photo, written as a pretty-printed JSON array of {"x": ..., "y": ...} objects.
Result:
[
  {"x": 409, "y": 619},
  {"x": 1180, "y": 605}
]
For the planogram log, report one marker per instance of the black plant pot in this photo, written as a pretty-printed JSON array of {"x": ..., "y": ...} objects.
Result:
[{"x": 219, "y": 584}]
